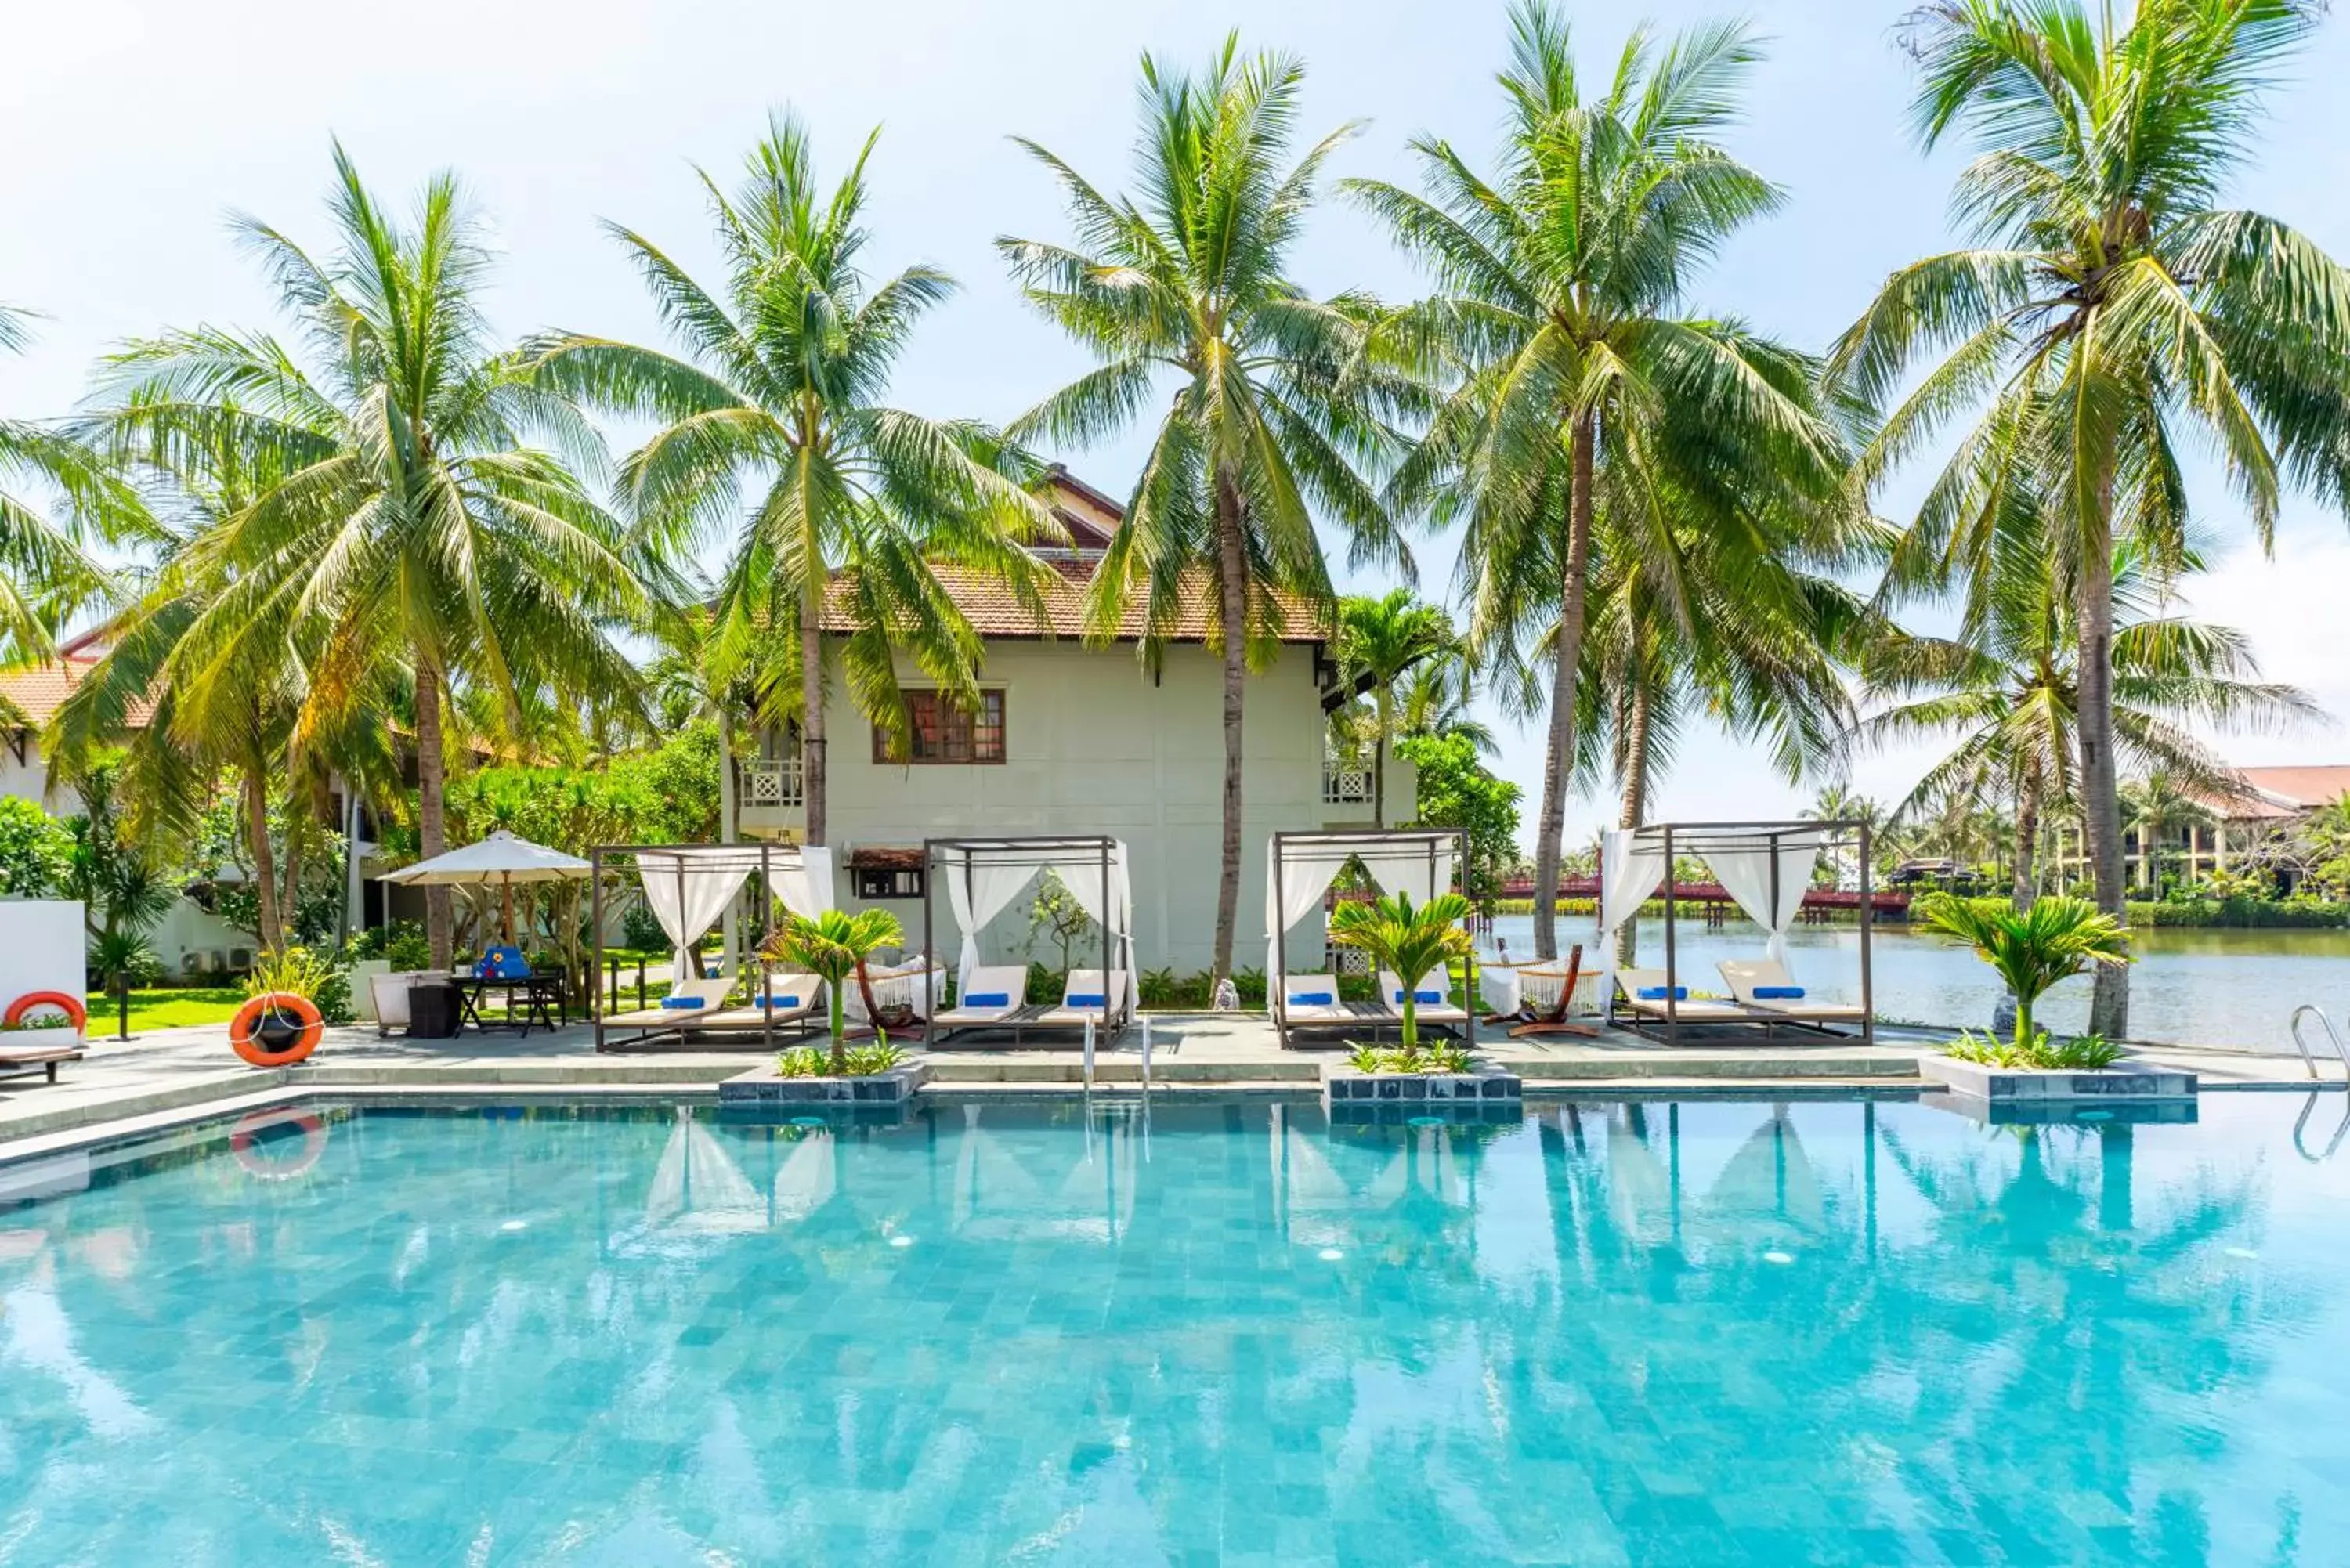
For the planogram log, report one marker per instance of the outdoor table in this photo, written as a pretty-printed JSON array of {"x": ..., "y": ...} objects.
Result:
[{"x": 545, "y": 998}]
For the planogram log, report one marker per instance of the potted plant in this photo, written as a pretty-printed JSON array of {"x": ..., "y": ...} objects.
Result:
[
  {"x": 1412, "y": 939},
  {"x": 2031, "y": 950},
  {"x": 832, "y": 947}
]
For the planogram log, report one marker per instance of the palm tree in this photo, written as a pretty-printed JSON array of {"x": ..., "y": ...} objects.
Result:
[
  {"x": 2112, "y": 307},
  {"x": 1564, "y": 336},
  {"x": 1411, "y": 940},
  {"x": 1435, "y": 698},
  {"x": 43, "y": 572},
  {"x": 779, "y": 389},
  {"x": 1275, "y": 405},
  {"x": 2152, "y": 806},
  {"x": 2006, "y": 694},
  {"x": 413, "y": 536},
  {"x": 1380, "y": 641},
  {"x": 833, "y": 946},
  {"x": 2031, "y": 949}
]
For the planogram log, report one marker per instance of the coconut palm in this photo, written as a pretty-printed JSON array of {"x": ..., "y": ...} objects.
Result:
[
  {"x": 2005, "y": 694},
  {"x": 778, "y": 388},
  {"x": 2113, "y": 308},
  {"x": 1411, "y": 940},
  {"x": 1435, "y": 698},
  {"x": 2031, "y": 950},
  {"x": 1380, "y": 641},
  {"x": 43, "y": 571},
  {"x": 833, "y": 946},
  {"x": 2152, "y": 806},
  {"x": 1271, "y": 405},
  {"x": 414, "y": 535},
  {"x": 1565, "y": 335}
]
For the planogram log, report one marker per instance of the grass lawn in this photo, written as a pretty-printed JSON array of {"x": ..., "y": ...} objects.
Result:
[{"x": 172, "y": 1008}]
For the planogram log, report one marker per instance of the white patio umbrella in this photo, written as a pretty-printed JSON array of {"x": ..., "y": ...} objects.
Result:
[{"x": 499, "y": 861}]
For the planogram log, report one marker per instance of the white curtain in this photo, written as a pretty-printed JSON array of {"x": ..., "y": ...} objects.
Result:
[
  {"x": 1629, "y": 872},
  {"x": 686, "y": 893},
  {"x": 1306, "y": 872},
  {"x": 978, "y": 892},
  {"x": 1745, "y": 875},
  {"x": 806, "y": 889},
  {"x": 1417, "y": 873},
  {"x": 1081, "y": 874}
]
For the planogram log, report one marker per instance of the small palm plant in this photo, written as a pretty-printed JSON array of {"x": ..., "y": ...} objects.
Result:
[
  {"x": 2033, "y": 949},
  {"x": 832, "y": 947},
  {"x": 1412, "y": 939}
]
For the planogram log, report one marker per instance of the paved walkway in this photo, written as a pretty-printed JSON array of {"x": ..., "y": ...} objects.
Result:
[{"x": 174, "y": 1074}]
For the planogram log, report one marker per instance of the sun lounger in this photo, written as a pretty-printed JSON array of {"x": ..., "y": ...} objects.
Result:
[
  {"x": 1309, "y": 1003},
  {"x": 1083, "y": 998},
  {"x": 1765, "y": 987},
  {"x": 1434, "y": 1007},
  {"x": 1641, "y": 991},
  {"x": 995, "y": 995},
  {"x": 794, "y": 1000},
  {"x": 687, "y": 1002},
  {"x": 48, "y": 1057}
]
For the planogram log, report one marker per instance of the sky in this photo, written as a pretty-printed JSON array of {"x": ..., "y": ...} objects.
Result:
[{"x": 138, "y": 126}]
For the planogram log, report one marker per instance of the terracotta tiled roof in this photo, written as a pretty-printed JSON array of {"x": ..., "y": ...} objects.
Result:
[
  {"x": 995, "y": 611},
  {"x": 40, "y": 691},
  {"x": 2276, "y": 794}
]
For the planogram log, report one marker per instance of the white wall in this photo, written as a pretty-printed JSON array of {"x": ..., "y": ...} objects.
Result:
[
  {"x": 1094, "y": 745},
  {"x": 29, "y": 780},
  {"x": 41, "y": 948}
]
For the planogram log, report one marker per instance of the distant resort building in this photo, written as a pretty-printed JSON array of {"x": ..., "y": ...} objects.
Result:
[
  {"x": 2253, "y": 824},
  {"x": 1077, "y": 738}
]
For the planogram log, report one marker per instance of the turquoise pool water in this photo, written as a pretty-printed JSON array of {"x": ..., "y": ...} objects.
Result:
[{"x": 1709, "y": 1333}]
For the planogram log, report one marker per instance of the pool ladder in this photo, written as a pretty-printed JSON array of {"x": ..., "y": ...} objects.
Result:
[{"x": 2308, "y": 1058}]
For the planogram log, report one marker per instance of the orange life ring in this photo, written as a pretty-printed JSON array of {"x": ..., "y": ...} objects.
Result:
[
  {"x": 70, "y": 1006},
  {"x": 246, "y": 1134},
  {"x": 260, "y": 1032}
]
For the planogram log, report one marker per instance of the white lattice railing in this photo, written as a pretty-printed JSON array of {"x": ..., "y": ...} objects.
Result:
[
  {"x": 1346, "y": 786},
  {"x": 773, "y": 782}
]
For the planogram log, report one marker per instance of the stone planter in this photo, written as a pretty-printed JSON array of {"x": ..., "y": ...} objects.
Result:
[
  {"x": 2030, "y": 1086},
  {"x": 763, "y": 1086},
  {"x": 1394, "y": 1097}
]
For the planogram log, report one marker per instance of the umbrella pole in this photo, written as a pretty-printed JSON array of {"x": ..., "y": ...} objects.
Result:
[{"x": 506, "y": 886}]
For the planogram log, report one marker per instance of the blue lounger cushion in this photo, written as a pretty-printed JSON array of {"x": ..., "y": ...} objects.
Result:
[
  {"x": 988, "y": 999},
  {"x": 1778, "y": 992},
  {"x": 1095, "y": 1000},
  {"x": 1312, "y": 999},
  {"x": 681, "y": 1003},
  {"x": 1420, "y": 997},
  {"x": 776, "y": 1002},
  {"x": 1656, "y": 994}
]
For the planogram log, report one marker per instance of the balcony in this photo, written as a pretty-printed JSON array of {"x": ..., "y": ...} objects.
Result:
[
  {"x": 1345, "y": 785},
  {"x": 773, "y": 784}
]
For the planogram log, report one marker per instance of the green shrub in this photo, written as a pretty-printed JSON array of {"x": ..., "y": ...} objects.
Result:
[
  {"x": 641, "y": 930},
  {"x": 2083, "y": 1053}
]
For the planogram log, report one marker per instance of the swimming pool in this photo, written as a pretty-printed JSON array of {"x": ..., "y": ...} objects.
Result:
[{"x": 1705, "y": 1332}]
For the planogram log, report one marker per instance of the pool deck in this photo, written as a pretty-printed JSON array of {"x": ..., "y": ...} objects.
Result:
[{"x": 169, "y": 1077}]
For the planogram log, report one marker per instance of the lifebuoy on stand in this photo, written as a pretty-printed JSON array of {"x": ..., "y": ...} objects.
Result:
[
  {"x": 275, "y": 1029},
  {"x": 69, "y": 1005}
]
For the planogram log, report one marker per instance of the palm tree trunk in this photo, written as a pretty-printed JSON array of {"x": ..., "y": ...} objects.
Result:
[
  {"x": 2027, "y": 839},
  {"x": 812, "y": 775},
  {"x": 2100, "y": 787},
  {"x": 431, "y": 811},
  {"x": 1231, "y": 572},
  {"x": 1634, "y": 807},
  {"x": 1558, "y": 764},
  {"x": 1379, "y": 760},
  {"x": 264, "y": 862}
]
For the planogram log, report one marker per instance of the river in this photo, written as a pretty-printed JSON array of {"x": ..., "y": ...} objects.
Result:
[{"x": 2188, "y": 988}]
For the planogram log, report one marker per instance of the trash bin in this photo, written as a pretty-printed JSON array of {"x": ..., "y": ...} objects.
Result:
[{"x": 432, "y": 1012}]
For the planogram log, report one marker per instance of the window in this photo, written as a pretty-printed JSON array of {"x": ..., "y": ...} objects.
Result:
[
  {"x": 887, "y": 882},
  {"x": 942, "y": 733}
]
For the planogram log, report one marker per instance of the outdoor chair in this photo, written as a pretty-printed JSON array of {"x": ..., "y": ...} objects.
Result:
[{"x": 1765, "y": 986}]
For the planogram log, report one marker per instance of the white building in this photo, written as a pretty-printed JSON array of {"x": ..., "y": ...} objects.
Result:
[
  {"x": 1077, "y": 738},
  {"x": 188, "y": 938}
]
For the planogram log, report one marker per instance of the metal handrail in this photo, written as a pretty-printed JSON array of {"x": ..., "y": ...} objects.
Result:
[{"x": 2308, "y": 1060}]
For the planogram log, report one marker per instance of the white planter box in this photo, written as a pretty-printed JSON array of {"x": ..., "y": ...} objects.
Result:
[{"x": 2000, "y": 1083}]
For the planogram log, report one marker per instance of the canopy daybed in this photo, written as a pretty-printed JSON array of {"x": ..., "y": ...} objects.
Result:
[
  {"x": 688, "y": 887},
  {"x": 1298, "y": 870},
  {"x": 982, "y": 875},
  {"x": 1765, "y": 868}
]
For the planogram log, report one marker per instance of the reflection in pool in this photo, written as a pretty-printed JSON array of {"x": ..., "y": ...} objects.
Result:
[{"x": 1712, "y": 1332}]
